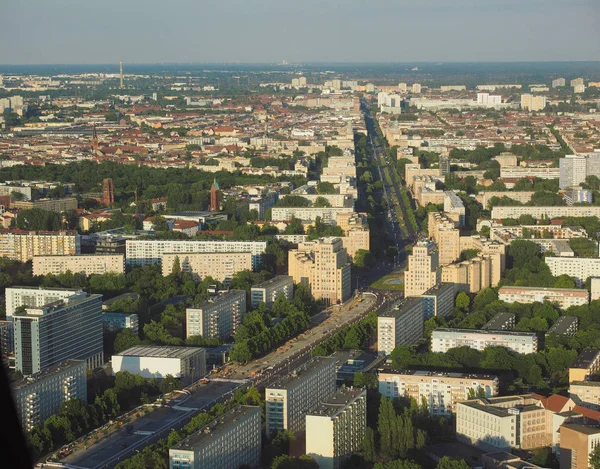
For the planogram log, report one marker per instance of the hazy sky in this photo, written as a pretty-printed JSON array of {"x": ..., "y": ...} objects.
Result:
[{"x": 147, "y": 31}]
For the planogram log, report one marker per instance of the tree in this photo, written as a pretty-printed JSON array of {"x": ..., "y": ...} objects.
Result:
[
  {"x": 448, "y": 463},
  {"x": 126, "y": 339},
  {"x": 484, "y": 298},
  {"x": 176, "y": 266},
  {"x": 326, "y": 188},
  {"x": 364, "y": 259},
  {"x": 291, "y": 462},
  {"x": 462, "y": 301},
  {"x": 366, "y": 380},
  {"x": 595, "y": 458},
  {"x": 386, "y": 426},
  {"x": 160, "y": 223},
  {"x": 369, "y": 450},
  {"x": 321, "y": 202}
]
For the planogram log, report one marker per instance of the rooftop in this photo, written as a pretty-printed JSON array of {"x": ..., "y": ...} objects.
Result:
[
  {"x": 439, "y": 288},
  {"x": 439, "y": 374},
  {"x": 475, "y": 331},
  {"x": 276, "y": 279},
  {"x": 23, "y": 383},
  {"x": 215, "y": 428},
  {"x": 498, "y": 321},
  {"x": 562, "y": 324},
  {"x": 337, "y": 403},
  {"x": 217, "y": 298},
  {"x": 585, "y": 359},
  {"x": 399, "y": 307},
  {"x": 159, "y": 351},
  {"x": 577, "y": 291},
  {"x": 300, "y": 372}
]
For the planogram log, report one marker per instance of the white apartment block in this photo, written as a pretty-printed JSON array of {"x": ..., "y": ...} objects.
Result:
[
  {"x": 336, "y": 428},
  {"x": 520, "y": 172},
  {"x": 573, "y": 171},
  {"x": 228, "y": 442},
  {"x": 289, "y": 400},
  {"x": 565, "y": 297},
  {"x": 220, "y": 266},
  {"x": 39, "y": 396},
  {"x": 267, "y": 292},
  {"x": 548, "y": 212},
  {"x": 35, "y": 297},
  {"x": 443, "y": 339},
  {"x": 217, "y": 317},
  {"x": 400, "y": 325},
  {"x": 79, "y": 264},
  {"x": 22, "y": 246},
  {"x": 150, "y": 361},
  {"x": 487, "y": 428},
  {"x": 442, "y": 391},
  {"x": 146, "y": 252},
  {"x": 307, "y": 214},
  {"x": 453, "y": 204},
  {"x": 579, "y": 268}
]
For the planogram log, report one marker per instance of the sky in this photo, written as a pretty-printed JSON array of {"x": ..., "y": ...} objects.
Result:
[{"x": 259, "y": 31}]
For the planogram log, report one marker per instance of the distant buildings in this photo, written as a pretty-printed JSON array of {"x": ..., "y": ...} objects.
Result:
[
  {"x": 579, "y": 268},
  {"x": 108, "y": 192},
  {"x": 422, "y": 273},
  {"x": 221, "y": 266},
  {"x": 440, "y": 390},
  {"x": 151, "y": 361},
  {"x": 217, "y": 317},
  {"x": 39, "y": 396},
  {"x": 337, "y": 427},
  {"x": 50, "y": 205},
  {"x": 86, "y": 264},
  {"x": 402, "y": 324},
  {"x": 70, "y": 328},
  {"x": 268, "y": 291},
  {"x": 289, "y": 400},
  {"x": 548, "y": 212},
  {"x": 230, "y": 441},
  {"x": 443, "y": 340},
  {"x": 574, "y": 169},
  {"x": 565, "y": 297},
  {"x": 23, "y": 246},
  {"x": 531, "y": 102},
  {"x": 323, "y": 266},
  {"x": 558, "y": 82}
]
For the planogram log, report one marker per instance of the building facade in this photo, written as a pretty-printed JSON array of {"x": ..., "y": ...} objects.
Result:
[
  {"x": 35, "y": 297},
  {"x": 267, "y": 292},
  {"x": 151, "y": 361},
  {"x": 443, "y": 340},
  {"x": 23, "y": 246},
  {"x": 579, "y": 268},
  {"x": 438, "y": 300},
  {"x": 422, "y": 272},
  {"x": 50, "y": 205},
  {"x": 114, "y": 321},
  {"x": 576, "y": 444},
  {"x": 218, "y": 317},
  {"x": 79, "y": 264},
  {"x": 402, "y": 324},
  {"x": 220, "y": 266},
  {"x": 565, "y": 297}
]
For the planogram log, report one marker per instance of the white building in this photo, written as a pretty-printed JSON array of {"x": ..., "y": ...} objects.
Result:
[
  {"x": 35, "y": 297},
  {"x": 146, "y": 252},
  {"x": 580, "y": 268},
  {"x": 221, "y": 266},
  {"x": 39, "y": 396},
  {"x": 115, "y": 321},
  {"x": 307, "y": 214},
  {"x": 228, "y": 442},
  {"x": 443, "y": 340},
  {"x": 548, "y": 212},
  {"x": 573, "y": 171},
  {"x": 565, "y": 297},
  {"x": 402, "y": 324},
  {"x": 217, "y": 317},
  {"x": 336, "y": 428},
  {"x": 267, "y": 292},
  {"x": 151, "y": 361}
]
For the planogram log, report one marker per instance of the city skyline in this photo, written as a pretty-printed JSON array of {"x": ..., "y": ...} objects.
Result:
[{"x": 309, "y": 32}]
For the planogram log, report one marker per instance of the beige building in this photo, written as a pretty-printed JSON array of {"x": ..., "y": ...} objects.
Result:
[
  {"x": 565, "y": 297},
  {"x": 336, "y": 428},
  {"x": 576, "y": 444},
  {"x": 442, "y": 391},
  {"x": 217, "y": 317},
  {"x": 401, "y": 324},
  {"x": 290, "y": 399},
  {"x": 323, "y": 266},
  {"x": 25, "y": 245},
  {"x": 355, "y": 239},
  {"x": 221, "y": 266},
  {"x": 472, "y": 275},
  {"x": 413, "y": 170},
  {"x": 446, "y": 235},
  {"x": 422, "y": 272},
  {"x": 586, "y": 366},
  {"x": 228, "y": 442},
  {"x": 548, "y": 212},
  {"x": 531, "y": 102},
  {"x": 79, "y": 264},
  {"x": 506, "y": 160},
  {"x": 267, "y": 292},
  {"x": 50, "y": 205}
]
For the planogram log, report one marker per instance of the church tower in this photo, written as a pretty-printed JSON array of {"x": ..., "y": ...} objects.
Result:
[
  {"x": 215, "y": 197},
  {"x": 94, "y": 140}
]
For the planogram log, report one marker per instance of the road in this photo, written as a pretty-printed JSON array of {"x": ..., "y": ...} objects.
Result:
[{"x": 123, "y": 443}]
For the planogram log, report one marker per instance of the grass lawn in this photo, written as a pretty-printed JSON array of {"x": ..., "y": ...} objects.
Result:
[{"x": 390, "y": 282}]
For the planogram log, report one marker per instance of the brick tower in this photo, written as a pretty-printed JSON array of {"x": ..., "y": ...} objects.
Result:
[
  {"x": 108, "y": 192},
  {"x": 215, "y": 197}
]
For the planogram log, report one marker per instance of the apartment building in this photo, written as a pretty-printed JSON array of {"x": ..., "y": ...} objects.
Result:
[
  {"x": 438, "y": 300},
  {"x": 564, "y": 297},
  {"x": 221, "y": 266},
  {"x": 290, "y": 399},
  {"x": 530, "y": 102},
  {"x": 7, "y": 340},
  {"x": 228, "y": 442},
  {"x": 217, "y": 317},
  {"x": 586, "y": 366},
  {"x": 454, "y": 207},
  {"x": 422, "y": 272},
  {"x": 473, "y": 275},
  {"x": 442, "y": 391},
  {"x": 23, "y": 246},
  {"x": 307, "y": 214},
  {"x": 579, "y": 268},
  {"x": 35, "y": 297},
  {"x": 502, "y": 423},
  {"x": 576, "y": 444},
  {"x": 79, "y": 264},
  {"x": 545, "y": 212},
  {"x": 337, "y": 427},
  {"x": 146, "y": 252},
  {"x": 151, "y": 361},
  {"x": 40, "y": 396},
  {"x": 70, "y": 328},
  {"x": 565, "y": 325},
  {"x": 520, "y": 172},
  {"x": 50, "y": 205},
  {"x": 267, "y": 292},
  {"x": 114, "y": 321},
  {"x": 322, "y": 265},
  {"x": 573, "y": 171},
  {"x": 355, "y": 239},
  {"x": 500, "y": 322},
  {"x": 443, "y": 339},
  {"x": 401, "y": 324},
  {"x": 446, "y": 235}
]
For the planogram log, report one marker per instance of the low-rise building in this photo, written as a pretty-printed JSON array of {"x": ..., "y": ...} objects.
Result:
[
  {"x": 441, "y": 390},
  {"x": 151, "y": 361},
  {"x": 565, "y": 325},
  {"x": 500, "y": 322},
  {"x": 228, "y": 442},
  {"x": 401, "y": 324},
  {"x": 221, "y": 266},
  {"x": 217, "y": 317},
  {"x": 576, "y": 444},
  {"x": 337, "y": 427},
  {"x": 267, "y": 292},
  {"x": 79, "y": 264},
  {"x": 443, "y": 340},
  {"x": 115, "y": 321},
  {"x": 586, "y": 365},
  {"x": 565, "y": 297}
]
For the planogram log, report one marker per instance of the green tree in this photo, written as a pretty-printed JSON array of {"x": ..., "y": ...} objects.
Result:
[
  {"x": 321, "y": 202},
  {"x": 369, "y": 450},
  {"x": 126, "y": 339},
  {"x": 595, "y": 458},
  {"x": 448, "y": 463},
  {"x": 462, "y": 301},
  {"x": 325, "y": 188},
  {"x": 364, "y": 259},
  {"x": 176, "y": 266}
]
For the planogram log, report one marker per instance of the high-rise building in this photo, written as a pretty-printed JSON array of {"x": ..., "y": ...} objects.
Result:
[
  {"x": 443, "y": 339},
  {"x": 579, "y": 268},
  {"x": 121, "y": 74},
  {"x": 35, "y": 297},
  {"x": 70, "y": 328},
  {"x": 22, "y": 246},
  {"x": 290, "y": 399},
  {"x": 446, "y": 235},
  {"x": 445, "y": 165},
  {"x": 39, "y": 396},
  {"x": 558, "y": 82},
  {"x": 217, "y": 317},
  {"x": 576, "y": 82},
  {"x": 108, "y": 192},
  {"x": 454, "y": 207},
  {"x": 531, "y": 102},
  {"x": 267, "y": 292},
  {"x": 416, "y": 88},
  {"x": 323, "y": 266},
  {"x": 573, "y": 171},
  {"x": 215, "y": 197},
  {"x": 422, "y": 272},
  {"x": 7, "y": 340},
  {"x": 336, "y": 428},
  {"x": 95, "y": 143},
  {"x": 230, "y": 441},
  {"x": 438, "y": 300},
  {"x": 221, "y": 266},
  {"x": 401, "y": 324},
  {"x": 441, "y": 390}
]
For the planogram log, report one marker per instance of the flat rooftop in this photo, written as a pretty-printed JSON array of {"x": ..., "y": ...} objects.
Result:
[
  {"x": 562, "y": 324},
  {"x": 300, "y": 372},
  {"x": 498, "y": 321},
  {"x": 337, "y": 403},
  {"x": 215, "y": 428},
  {"x": 576, "y": 291},
  {"x": 399, "y": 307},
  {"x": 43, "y": 375},
  {"x": 585, "y": 359},
  {"x": 160, "y": 352},
  {"x": 439, "y": 374},
  {"x": 271, "y": 281},
  {"x": 476, "y": 331},
  {"x": 437, "y": 289},
  {"x": 217, "y": 298}
]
